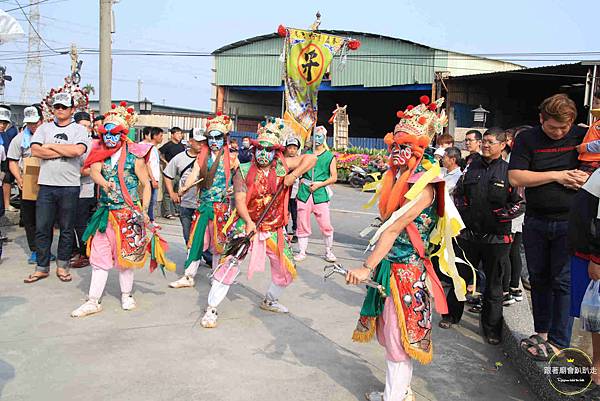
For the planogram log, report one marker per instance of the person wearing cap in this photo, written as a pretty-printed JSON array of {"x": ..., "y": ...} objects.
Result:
[
  {"x": 7, "y": 132},
  {"x": 255, "y": 184},
  {"x": 87, "y": 199},
  {"x": 59, "y": 144},
  {"x": 214, "y": 165},
  {"x": 314, "y": 195},
  {"x": 245, "y": 152},
  {"x": 20, "y": 149},
  {"x": 292, "y": 144},
  {"x": 181, "y": 166}
]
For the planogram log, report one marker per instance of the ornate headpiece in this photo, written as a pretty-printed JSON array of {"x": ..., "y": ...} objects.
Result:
[
  {"x": 420, "y": 121},
  {"x": 121, "y": 115},
  {"x": 274, "y": 131},
  {"x": 221, "y": 122},
  {"x": 79, "y": 95}
]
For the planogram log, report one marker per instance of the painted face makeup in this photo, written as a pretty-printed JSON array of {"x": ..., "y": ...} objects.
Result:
[
  {"x": 216, "y": 140},
  {"x": 319, "y": 139},
  {"x": 264, "y": 157},
  {"x": 111, "y": 139},
  {"x": 400, "y": 154}
]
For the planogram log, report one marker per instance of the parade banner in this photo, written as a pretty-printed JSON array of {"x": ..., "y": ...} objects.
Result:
[{"x": 308, "y": 55}]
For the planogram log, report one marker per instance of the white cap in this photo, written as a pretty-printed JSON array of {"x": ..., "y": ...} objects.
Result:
[
  {"x": 4, "y": 114},
  {"x": 321, "y": 130},
  {"x": 62, "y": 98},
  {"x": 198, "y": 134},
  {"x": 292, "y": 140},
  {"x": 440, "y": 152},
  {"x": 31, "y": 115}
]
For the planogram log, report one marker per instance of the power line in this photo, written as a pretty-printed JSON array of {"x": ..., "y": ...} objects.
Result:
[{"x": 33, "y": 27}]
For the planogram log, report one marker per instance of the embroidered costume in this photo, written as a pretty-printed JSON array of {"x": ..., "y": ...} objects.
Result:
[
  {"x": 214, "y": 165},
  {"x": 116, "y": 235},
  {"x": 260, "y": 180},
  {"x": 402, "y": 320}
]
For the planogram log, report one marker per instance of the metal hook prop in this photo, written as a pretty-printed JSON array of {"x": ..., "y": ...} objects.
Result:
[{"x": 329, "y": 270}]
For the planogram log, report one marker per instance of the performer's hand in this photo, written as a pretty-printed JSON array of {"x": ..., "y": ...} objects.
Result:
[
  {"x": 357, "y": 276},
  {"x": 229, "y": 191},
  {"x": 154, "y": 184},
  {"x": 289, "y": 180},
  {"x": 109, "y": 186},
  {"x": 594, "y": 271},
  {"x": 314, "y": 186},
  {"x": 251, "y": 226},
  {"x": 175, "y": 197},
  {"x": 19, "y": 183}
]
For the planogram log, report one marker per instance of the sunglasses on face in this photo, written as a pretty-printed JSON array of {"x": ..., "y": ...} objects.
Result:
[{"x": 60, "y": 107}]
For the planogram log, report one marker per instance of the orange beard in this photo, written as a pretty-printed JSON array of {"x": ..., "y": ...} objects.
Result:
[{"x": 392, "y": 189}]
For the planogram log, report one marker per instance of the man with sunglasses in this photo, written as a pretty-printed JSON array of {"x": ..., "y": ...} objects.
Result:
[
  {"x": 59, "y": 145},
  {"x": 214, "y": 165},
  {"x": 255, "y": 183}
]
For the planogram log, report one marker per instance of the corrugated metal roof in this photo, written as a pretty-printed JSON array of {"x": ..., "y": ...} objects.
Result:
[{"x": 381, "y": 61}]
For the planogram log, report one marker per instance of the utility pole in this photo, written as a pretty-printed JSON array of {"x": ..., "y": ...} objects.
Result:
[
  {"x": 3, "y": 79},
  {"x": 105, "y": 55},
  {"x": 140, "y": 83}
]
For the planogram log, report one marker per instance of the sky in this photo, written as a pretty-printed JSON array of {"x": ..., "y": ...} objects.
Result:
[{"x": 474, "y": 27}]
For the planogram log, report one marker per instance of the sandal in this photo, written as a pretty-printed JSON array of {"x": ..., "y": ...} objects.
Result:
[
  {"x": 532, "y": 341},
  {"x": 476, "y": 308},
  {"x": 64, "y": 277},
  {"x": 543, "y": 352},
  {"x": 445, "y": 323},
  {"x": 37, "y": 276}
]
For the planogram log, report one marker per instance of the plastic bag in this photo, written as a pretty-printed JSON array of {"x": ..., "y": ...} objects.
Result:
[{"x": 590, "y": 308}]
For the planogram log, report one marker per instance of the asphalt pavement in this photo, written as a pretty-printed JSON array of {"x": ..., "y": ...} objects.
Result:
[{"x": 160, "y": 352}]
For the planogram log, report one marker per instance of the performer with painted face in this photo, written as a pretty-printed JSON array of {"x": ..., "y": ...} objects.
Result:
[
  {"x": 115, "y": 235},
  {"x": 314, "y": 196},
  {"x": 261, "y": 198},
  {"x": 214, "y": 166},
  {"x": 416, "y": 210}
]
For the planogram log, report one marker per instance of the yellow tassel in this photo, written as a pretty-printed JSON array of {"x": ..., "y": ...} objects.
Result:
[
  {"x": 422, "y": 182},
  {"x": 420, "y": 355},
  {"x": 374, "y": 198},
  {"x": 286, "y": 261},
  {"x": 365, "y": 336},
  {"x": 230, "y": 221},
  {"x": 161, "y": 258}
]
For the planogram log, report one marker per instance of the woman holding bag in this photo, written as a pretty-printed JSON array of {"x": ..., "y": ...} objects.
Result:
[{"x": 584, "y": 242}]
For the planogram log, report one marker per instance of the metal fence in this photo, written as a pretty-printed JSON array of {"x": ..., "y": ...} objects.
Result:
[{"x": 368, "y": 143}]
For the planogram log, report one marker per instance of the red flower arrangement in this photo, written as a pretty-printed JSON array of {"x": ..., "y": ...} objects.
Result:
[{"x": 353, "y": 44}]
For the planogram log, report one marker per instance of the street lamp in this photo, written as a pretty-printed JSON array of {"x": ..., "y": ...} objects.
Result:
[
  {"x": 145, "y": 106},
  {"x": 479, "y": 116}
]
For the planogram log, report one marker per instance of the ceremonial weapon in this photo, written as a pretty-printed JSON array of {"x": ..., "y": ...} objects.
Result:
[
  {"x": 185, "y": 189},
  {"x": 238, "y": 248},
  {"x": 339, "y": 269}
]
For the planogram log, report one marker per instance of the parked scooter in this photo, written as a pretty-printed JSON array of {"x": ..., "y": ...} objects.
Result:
[{"x": 357, "y": 177}]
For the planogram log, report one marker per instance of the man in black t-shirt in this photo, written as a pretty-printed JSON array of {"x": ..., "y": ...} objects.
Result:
[
  {"x": 167, "y": 152},
  {"x": 544, "y": 161}
]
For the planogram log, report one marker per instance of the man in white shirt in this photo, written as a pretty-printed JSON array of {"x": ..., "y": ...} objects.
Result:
[
  {"x": 451, "y": 170},
  {"x": 155, "y": 138}
]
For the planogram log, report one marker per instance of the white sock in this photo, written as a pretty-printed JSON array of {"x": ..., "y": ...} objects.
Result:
[
  {"x": 303, "y": 244},
  {"x": 192, "y": 269},
  {"x": 328, "y": 242},
  {"x": 274, "y": 291},
  {"x": 397, "y": 380},
  {"x": 217, "y": 293}
]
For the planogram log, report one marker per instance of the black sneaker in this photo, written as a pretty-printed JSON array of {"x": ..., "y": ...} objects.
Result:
[
  {"x": 516, "y": 294},
  {"x": 508, "y": 300}
]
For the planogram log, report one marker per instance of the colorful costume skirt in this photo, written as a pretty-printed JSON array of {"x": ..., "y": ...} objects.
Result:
[
  {"x": 406, "y": 284},
  {"x": 215, "y": 214},
  {"x": 130, "y": 236}
]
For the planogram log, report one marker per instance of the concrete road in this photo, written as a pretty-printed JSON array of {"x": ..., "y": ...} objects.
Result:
[{"x": 160, "y": 352}]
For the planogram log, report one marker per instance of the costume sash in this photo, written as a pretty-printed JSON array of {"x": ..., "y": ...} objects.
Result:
[{"x": 205, "y": 213}]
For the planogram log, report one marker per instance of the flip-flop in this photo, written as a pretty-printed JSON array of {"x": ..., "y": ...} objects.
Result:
[
  {"x": 32, "y": 278},
  {"x": 543, "y": 352},
  {"x": 531, "y": 341},
  {"x": 65, "y": 277}
]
